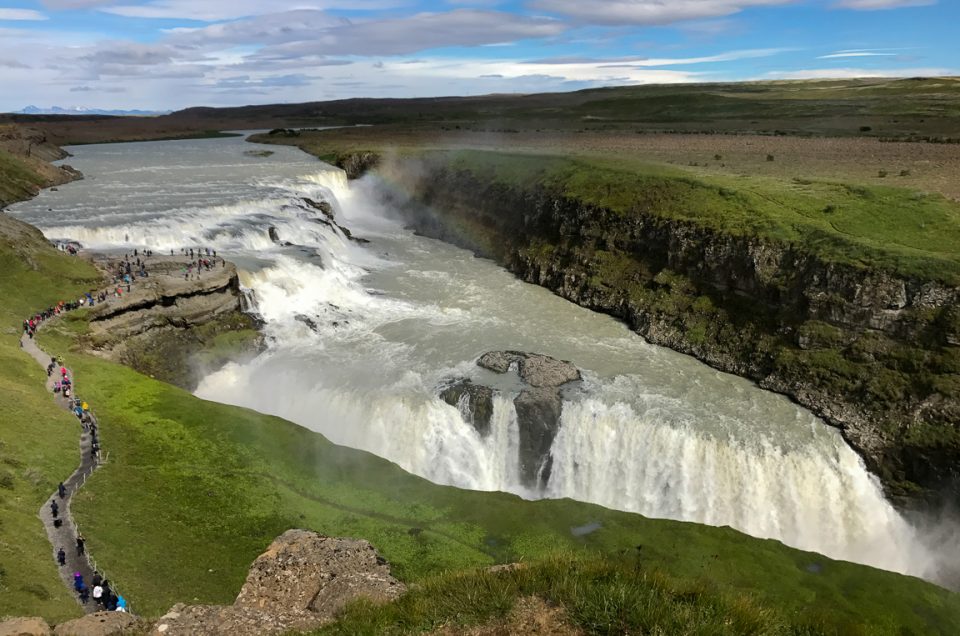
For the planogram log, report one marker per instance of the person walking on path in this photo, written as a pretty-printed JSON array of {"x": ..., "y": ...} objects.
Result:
[
  {"x": 61, "y": 557},
  {"x": 98, "y": 594},
  {"x": 80, "y": 542},
  {"x": 62, "y": 490},
  {"x": 54, "y": 508}
]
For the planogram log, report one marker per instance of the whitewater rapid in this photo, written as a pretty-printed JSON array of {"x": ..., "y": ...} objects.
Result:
[{"x": 361, "y": 335}]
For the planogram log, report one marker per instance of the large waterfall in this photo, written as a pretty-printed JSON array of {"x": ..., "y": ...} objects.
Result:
[{"x": 361, "y": 335}]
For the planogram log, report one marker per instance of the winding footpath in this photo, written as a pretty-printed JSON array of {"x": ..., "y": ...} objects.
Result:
[
  {"x": 174, "y": 272},
  {"x": 66, "y": 535}
]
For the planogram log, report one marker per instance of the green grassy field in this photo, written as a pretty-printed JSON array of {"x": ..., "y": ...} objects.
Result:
[{"x": 887, "y": 228}]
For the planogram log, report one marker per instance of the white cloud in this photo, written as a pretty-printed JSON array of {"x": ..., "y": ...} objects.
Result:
[
  {"x": 21, "y": 14},
  {"x": 392, "y": 36},
  {"x": 215, "y": 10},
  {"x": 648, "y": 12},
  {"x": 851, "y": 73},
  {"x": 855, "y": 54},
  {"x": 76, "y": 4},
  {"x": 641, "y": 62},
  {"x": 872, "y": 5}
]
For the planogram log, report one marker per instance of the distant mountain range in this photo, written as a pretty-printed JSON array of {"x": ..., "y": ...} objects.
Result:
[{"x": 79, "y": 110}]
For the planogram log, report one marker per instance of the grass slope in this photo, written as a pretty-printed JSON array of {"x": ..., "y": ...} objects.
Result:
[
  {"x": 38, "y": 441},
  {"x": 194, "y": 490}
]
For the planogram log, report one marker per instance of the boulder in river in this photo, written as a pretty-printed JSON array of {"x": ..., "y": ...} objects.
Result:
[
  {"x": 538, "y": 418},
  {"x": 274, "y": 235},
  {"x": 321, "y": 206},
  {"x": 475, "y": 402},
  {"x": 535, "y": 369},
  {"x": 539, "y": 405}
]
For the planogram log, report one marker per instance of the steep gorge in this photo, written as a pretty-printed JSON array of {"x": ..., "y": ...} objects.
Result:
[{"x": 872, "y": 352}]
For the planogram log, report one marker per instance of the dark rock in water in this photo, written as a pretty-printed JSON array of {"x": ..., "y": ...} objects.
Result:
[
  {"x": 535, "y": 369},
  {"x": 356, "y": 164},
  {"x": 538, "y": 418},
  {"x": 538, "y": 408},
  {"x": 327, "y": 211},
  {"x": 322, "y": 206},
  {"x": 274, "y": 235},
  {"x": 477, "y": 405},
  {"x": 307, "y": 320},
  {"x": 499, "y": 361}
]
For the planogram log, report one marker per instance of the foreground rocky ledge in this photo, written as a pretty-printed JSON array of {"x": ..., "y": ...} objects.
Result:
[{"x": 300, "y": 583}]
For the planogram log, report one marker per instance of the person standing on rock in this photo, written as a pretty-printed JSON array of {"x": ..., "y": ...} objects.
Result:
[
  {"x": 80, "y": 542},
  {"x": 61, "y": 557}
]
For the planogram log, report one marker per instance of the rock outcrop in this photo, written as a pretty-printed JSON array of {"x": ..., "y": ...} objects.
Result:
[
  {"x": 329, "y": 219},
  {"x": 167, "y": 318},
  {"x": 475, "y": 402},
  {"x": 26, "y": 626},
  {"x": 300, "y": 583},
  {"x": 539, "y": 405},
  {"x": 356, "y": 164},
  {"x": 102, "y": 624},
  {"x": 871, "y": 352}
]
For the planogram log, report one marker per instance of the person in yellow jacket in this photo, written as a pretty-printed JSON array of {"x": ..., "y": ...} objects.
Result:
[{"x": 85, "y": 407}]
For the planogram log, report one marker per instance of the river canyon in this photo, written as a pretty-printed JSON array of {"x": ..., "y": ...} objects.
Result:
[{"x": 362, "y": 336}]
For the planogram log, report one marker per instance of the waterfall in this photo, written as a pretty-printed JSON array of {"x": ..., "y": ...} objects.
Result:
[{"x": 361, "y": 336}]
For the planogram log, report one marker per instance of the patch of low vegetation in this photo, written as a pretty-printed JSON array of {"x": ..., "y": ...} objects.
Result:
[
  {"x": 598, "y": 595},
  {"x": 17, "y": 180}
]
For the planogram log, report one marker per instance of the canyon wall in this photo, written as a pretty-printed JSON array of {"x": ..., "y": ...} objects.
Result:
[{"x": 871, "y": 352}]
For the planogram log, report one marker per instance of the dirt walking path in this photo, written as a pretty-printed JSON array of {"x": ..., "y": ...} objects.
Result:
[{"x": 66, "y": 535}]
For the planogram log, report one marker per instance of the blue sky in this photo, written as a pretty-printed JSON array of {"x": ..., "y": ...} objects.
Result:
[{"x": 169, "y": 54}]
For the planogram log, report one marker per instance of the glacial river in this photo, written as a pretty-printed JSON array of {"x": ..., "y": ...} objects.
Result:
[{"x": 361, "y": 335}]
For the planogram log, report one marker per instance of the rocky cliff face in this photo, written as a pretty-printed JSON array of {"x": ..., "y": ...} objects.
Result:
[
  {"x": 166, "y": 320},
  {"x": 871, "y": 352}
]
